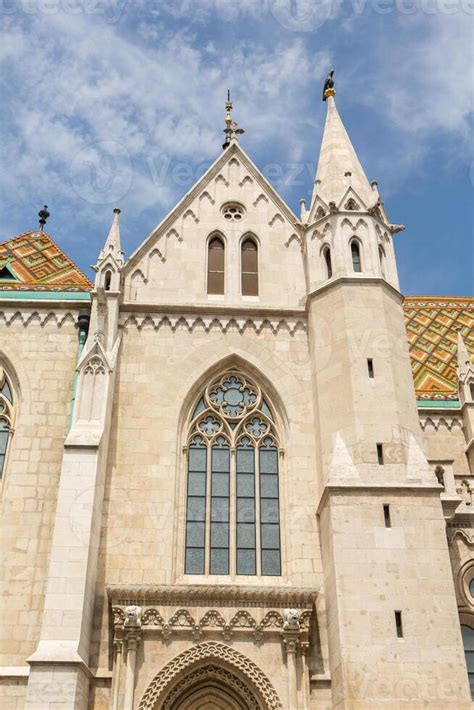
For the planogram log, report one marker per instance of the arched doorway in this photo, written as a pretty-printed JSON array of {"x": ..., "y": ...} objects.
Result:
[
  {"x": 210, "y": 687},
  {"x": 210, "y": 676}
]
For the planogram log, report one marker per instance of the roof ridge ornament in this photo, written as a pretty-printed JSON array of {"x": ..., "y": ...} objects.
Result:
[
  {"x": 43, "y": 216},
  {"x": 231, "y": 130},
  {"x": 329, "y": 89}
]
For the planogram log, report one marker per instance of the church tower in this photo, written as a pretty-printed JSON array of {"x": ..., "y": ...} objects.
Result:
[
  {"x": 393, "y": 626},
  {"x": 219, "y": 485}
]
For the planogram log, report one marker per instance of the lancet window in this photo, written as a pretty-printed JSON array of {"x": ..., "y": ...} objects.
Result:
[
  {"x": 233, "y": 511},
  {"x": 6, "y": 418}
]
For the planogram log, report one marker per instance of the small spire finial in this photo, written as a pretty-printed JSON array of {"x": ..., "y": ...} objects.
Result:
[
  {"x": 329, "y": 89},
  {"x": 43, "y": 216},
  {"x": 231, "y": 129}
]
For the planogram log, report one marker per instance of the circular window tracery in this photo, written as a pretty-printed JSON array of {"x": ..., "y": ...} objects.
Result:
[{"x": 232, "y": 212}]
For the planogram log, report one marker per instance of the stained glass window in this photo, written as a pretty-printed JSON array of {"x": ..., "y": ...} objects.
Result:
[
  {"x": 6, "y": 418},
  {"x": 468, "y": 642},
  {"x": 233, "y": 516}
]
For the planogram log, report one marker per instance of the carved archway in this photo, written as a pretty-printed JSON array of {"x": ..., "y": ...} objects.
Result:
[{"x": 213, "y": 665}]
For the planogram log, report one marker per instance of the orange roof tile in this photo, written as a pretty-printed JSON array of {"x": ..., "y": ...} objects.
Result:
[
  {"x": 33, "y": 262},
  {"x": 432, "y": 324}
]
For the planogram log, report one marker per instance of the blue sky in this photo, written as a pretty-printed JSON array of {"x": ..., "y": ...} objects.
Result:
[{"x": 113, "y": 103}]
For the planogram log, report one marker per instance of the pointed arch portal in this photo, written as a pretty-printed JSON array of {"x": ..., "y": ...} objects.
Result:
[{"x": 210, "y": 676}]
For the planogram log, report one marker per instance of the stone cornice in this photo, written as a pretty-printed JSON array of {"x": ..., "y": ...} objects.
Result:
[
  {"x": 361, "y": 280},
  {"x": 360, "y": 488},
  {"x": 209, "y": 309},
  {"x": 196, "y": 594}
]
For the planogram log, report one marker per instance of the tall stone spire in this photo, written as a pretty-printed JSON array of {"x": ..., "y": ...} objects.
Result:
[
  {"x": 338, "y": 166},
  {"x": 112, "y": 243}
]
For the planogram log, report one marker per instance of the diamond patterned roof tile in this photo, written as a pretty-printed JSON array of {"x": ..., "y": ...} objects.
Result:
[
  {"x": 33, "y": 262},
  {"x": 432, "y": 324}
]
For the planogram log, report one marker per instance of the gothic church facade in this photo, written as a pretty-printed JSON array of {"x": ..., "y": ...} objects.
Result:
[{"x": 237, "y": 469}]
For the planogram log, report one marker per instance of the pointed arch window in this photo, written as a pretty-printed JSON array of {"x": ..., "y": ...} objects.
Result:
[
  {"x": 216, "y": 266},
  {"x": 249, "y": 267},
  {"x": 355, "y": 254},
  {"x": 232, "y": 511},
  {"x": 468, "y": 643},
  {"x": 6, "y": 418},
  {"x": 327, "y": 261},
  {"x": 382, "y": 260}
]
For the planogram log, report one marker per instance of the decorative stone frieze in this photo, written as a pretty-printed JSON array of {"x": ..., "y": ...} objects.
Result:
[
  {"x": 34, "y": 316},
  {"x": 437, "y": 421},
  {"x": 212, "y": 322},
  {"x": 259, "y": 624}
]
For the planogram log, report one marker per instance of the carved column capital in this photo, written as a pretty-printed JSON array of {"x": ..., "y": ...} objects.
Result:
[{"x": 291, "y": 642}]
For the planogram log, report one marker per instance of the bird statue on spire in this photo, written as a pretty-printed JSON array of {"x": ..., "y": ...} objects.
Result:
[
  {"x": 329, "y": 89},
  {"x": 231, "y": 129},
  {"x": 43, "y": 216}
]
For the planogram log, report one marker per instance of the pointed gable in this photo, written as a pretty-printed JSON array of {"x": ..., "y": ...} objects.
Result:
[
  {"x": 221, "y": 171},
  {"x": 33, "y": 262},
  {"x": 232, "y": 199}
]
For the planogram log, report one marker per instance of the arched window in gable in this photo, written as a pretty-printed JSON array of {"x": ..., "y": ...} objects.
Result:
[
  {"x": 327, "y": 261},
  {"x": 6, "y": 418},
  {"x": 233, "y": 511},
  {"x": 216, "y": 266},
  {"x": 249, "y": 267},
  {"x": 356, "y": 258}
]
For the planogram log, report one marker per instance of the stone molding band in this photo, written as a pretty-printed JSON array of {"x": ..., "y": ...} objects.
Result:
[
  {"x": 196, "y": 594},
  {"x": 207, "y": 323}
]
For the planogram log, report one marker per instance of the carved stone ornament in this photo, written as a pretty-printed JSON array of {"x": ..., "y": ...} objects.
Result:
[
  {"x": 215, "y": 674},
  {"x": 233, "y": 667},
  {"x": 259, "y": 623},
  {"x": 292, "y": 620}
]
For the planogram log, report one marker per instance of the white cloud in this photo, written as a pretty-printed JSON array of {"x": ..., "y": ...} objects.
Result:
[
  {"x": 83, "y": 88},
  {"x": 424, "y": 82}
]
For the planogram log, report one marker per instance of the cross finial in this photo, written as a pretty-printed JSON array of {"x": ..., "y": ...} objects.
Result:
[
  {"x": 231, "y": 129},
  {"x": 43, "y": 216}
]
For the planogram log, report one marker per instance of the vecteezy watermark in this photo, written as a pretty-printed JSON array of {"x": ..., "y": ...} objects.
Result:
[
  {"x": 302, "y": 15},
  {"x": 309, "y": 15},
  {"x": 101, "y": 173},
  {"x": 110, "y": 10},
  {"x": 164, "y": 169}
]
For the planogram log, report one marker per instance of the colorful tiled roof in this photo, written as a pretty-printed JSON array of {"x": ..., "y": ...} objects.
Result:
[
  {"x": 432, "y": 325},
  {"x": 33, "y": 262}
]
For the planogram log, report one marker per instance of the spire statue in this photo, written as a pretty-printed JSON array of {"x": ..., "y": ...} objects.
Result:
[
  {"x": 329, "y": 89},
  {"x": 231, "y": 130}
]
